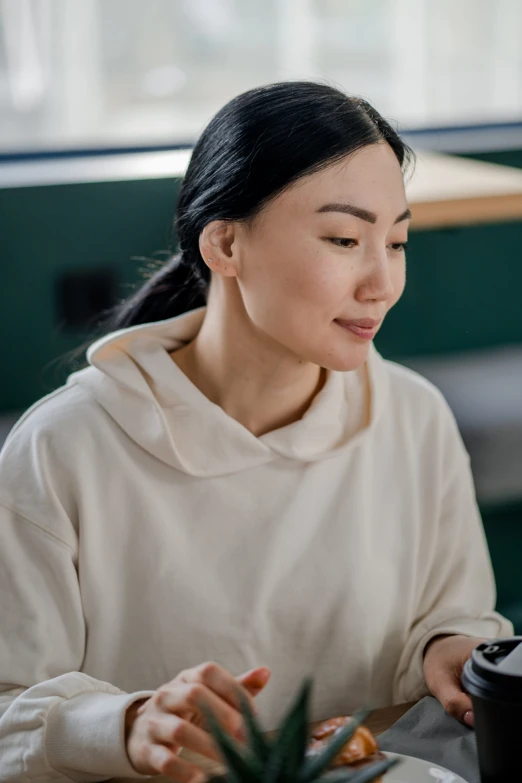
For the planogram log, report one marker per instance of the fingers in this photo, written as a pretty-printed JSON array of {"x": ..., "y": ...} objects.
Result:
[
  {"x": 164, "y": 761},
  {"x": 255, "y": 680},
  {"x": 445, "y": 685},
  {"x": 457, "y": 704},
  {"x": 454, "y": 700},
  {"x": 221, "y": 682},
  {"x": 189, "y": 701},
  {"x": 175, "y": 732},
  {"x": 174, "y": 715},
  {"x": 443, "y": 664}
]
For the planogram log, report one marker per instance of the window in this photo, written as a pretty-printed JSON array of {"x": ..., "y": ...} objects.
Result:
[{"x": 110, "y": 73}]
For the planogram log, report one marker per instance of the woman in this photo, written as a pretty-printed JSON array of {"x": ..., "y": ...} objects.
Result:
[{"x": 248, "y": 484}]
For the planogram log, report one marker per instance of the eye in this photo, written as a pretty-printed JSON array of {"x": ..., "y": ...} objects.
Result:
[
  {"x": 399, "y": 246},
  {"x": 343, "y": 242}
]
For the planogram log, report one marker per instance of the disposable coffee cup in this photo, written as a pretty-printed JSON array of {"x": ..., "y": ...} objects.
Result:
[{"x": 493, "y": 679}]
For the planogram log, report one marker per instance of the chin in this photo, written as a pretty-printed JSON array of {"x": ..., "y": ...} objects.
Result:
[{"x": 346, "y": 360}]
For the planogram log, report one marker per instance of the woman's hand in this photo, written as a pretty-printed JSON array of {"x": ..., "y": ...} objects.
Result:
[
  {"x": 172, "y": 718},
  {"x": 444, "y": 659}
]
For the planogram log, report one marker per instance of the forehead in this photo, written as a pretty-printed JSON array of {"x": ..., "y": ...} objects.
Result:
[{"x": 370, "y": 178}]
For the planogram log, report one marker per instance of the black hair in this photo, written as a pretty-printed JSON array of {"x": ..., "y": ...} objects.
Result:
[{"x": 254, "y": 148}]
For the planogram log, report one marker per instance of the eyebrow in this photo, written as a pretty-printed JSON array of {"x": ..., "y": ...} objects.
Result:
[{"x": 359, "y": 212}]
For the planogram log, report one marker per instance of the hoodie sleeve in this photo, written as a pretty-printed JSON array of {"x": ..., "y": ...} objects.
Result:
[
  {"x": 56, "y": 723},
  {"x": 457, "y": 594}
]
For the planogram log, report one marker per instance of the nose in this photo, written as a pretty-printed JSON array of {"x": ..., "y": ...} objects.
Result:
[{"x": 376, "y": 283}]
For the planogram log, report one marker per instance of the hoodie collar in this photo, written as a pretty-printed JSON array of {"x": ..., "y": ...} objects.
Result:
[{"x": 133, "y": 377}]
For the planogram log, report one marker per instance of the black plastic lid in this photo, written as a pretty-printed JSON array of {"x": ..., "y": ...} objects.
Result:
[{"x": 494, "y": 670}]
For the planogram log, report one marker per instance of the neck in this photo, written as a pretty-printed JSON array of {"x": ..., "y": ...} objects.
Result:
[{"x": 254, "y": 380}]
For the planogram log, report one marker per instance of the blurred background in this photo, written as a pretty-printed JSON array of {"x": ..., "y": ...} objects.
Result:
[{"x": 101, "y": 101}]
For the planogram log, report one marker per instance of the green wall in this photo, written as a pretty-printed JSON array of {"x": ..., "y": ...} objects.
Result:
[
  {"x": 460, "y": 292},
  {"x": 45, "y": 231},
  {"x": 504, "y": 157},
  {"x": 503, "y": 526}
]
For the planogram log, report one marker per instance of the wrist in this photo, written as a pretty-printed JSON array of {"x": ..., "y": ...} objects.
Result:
[
  {"x": 435, "y": 639},
  {"x": 131, "y": 714}
]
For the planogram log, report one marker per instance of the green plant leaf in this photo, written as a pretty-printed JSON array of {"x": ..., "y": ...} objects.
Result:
[
  {"x": 239, "y": 770},
  {"x": 288, "y": 751},
  {"x": 258, "y": 745},
  {"x": 318, "y": 762}
]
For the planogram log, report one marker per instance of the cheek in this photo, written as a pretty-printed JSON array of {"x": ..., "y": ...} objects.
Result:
[
  {"x": 398, "y": 282},
  {"x": 317, "y": 278},
  {"x": 293, "y": 282},
  {"x": 318, "y": 285},
  {"x": 294, "y": 299}
]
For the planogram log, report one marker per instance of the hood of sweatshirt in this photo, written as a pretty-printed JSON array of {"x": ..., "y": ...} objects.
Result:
[{"x": 133, "y": 377}]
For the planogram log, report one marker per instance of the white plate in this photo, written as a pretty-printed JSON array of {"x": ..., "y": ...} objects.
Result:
[{"x": 412, "y": 770}]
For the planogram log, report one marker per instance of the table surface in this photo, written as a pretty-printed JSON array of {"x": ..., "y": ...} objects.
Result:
[
  {"x": 448, "y": 191},
  {"x": 382, "y": 720}
]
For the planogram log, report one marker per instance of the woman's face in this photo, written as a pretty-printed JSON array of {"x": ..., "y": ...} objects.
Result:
[{"x": 324, "y": 262}]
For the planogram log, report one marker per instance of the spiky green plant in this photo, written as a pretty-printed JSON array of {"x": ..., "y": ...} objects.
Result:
[{"x": 284, "y": 759}]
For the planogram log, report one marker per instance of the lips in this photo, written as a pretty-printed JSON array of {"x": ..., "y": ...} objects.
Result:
[{"x": 365, "y": 328}]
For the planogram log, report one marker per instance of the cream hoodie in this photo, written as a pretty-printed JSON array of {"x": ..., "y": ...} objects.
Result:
[{"x": 144, "y": 531}]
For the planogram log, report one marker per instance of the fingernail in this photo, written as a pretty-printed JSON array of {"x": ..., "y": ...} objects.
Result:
[{"x": 469, "y": 719}]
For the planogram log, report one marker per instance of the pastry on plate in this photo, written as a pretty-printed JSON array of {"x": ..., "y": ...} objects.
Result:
[{"x": 361, "y": 749}]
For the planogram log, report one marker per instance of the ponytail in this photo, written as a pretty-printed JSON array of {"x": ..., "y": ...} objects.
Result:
[{"x": 174, "y": 289}]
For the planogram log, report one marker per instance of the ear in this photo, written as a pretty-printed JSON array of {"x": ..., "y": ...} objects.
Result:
[{"x": 216, "y": 245}]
